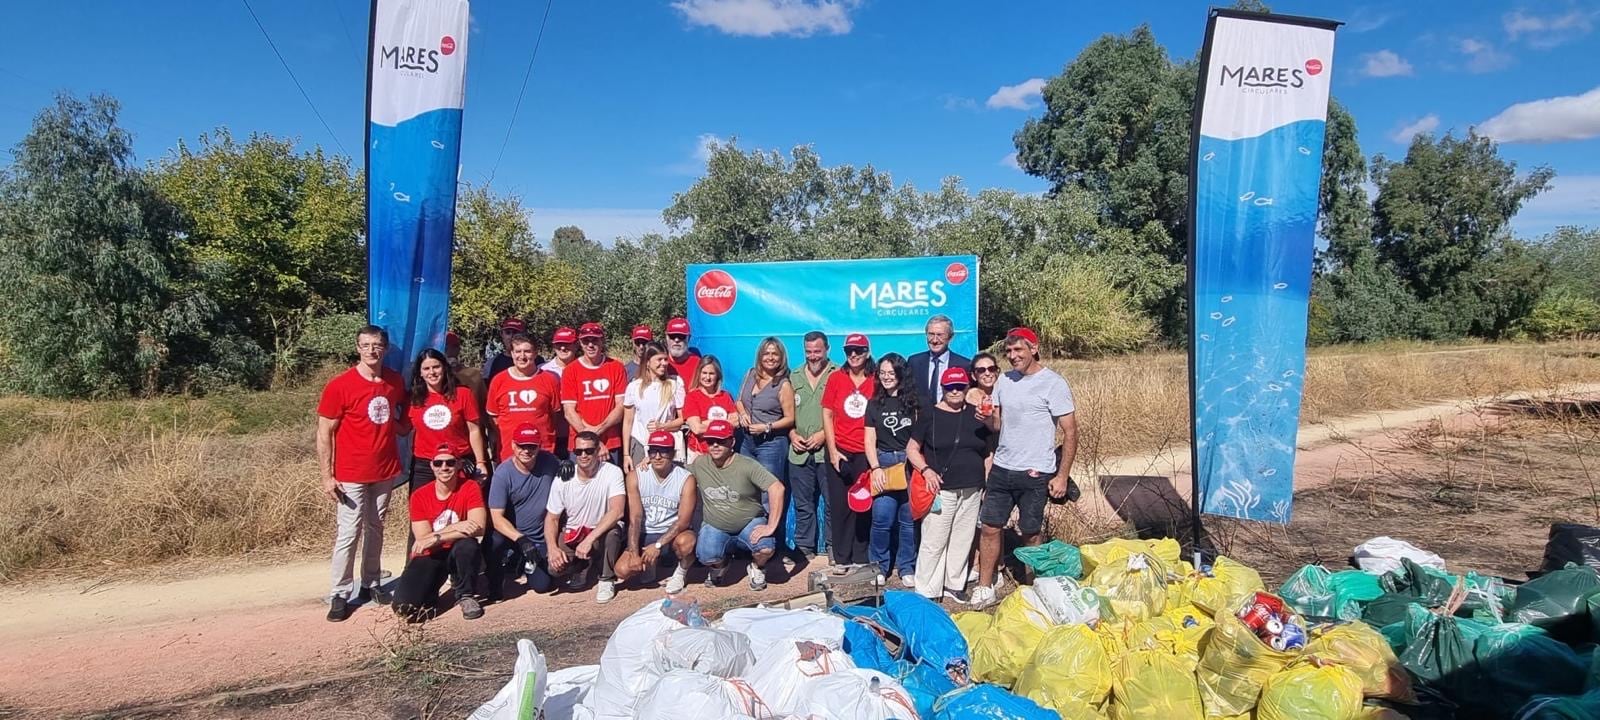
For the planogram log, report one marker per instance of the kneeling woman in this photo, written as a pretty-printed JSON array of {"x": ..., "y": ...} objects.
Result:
[{"x": 447, "y": 518}]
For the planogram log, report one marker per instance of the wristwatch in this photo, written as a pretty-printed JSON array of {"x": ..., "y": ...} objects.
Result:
[{"x": 658, "y": 546}]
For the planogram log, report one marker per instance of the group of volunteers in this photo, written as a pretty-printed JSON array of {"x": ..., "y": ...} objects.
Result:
[{"x": 586, "y": 468}]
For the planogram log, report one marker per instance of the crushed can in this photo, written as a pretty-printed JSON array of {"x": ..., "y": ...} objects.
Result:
[
  {"x": 1257, "y": 617},
  {"x": 1292, "y": 637}
]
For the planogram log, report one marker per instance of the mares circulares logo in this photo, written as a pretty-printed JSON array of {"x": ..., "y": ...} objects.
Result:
[
  {"x": 1268, "y": 79},
  {"x": 415, "y": 58},
  {"x": 715, "y": 292},
  {"x": 901, "y": 297}
]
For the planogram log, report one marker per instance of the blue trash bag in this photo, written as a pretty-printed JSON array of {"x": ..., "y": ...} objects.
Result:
[
  {"x": 868, "y": 650},
  {"x": 927, "y": 684},
  {"x": 930, "y": 635},
  {"x": 988, "y": 702}
]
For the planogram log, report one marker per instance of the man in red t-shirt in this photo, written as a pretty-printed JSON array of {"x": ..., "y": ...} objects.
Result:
[
  {"x": 361, "y": 412},
  {"x": 683, "y": 359},
  {"x": 524, "y": 394},
  {"x": 591, "y": 392},
  {"x": 447, "y": 518}
]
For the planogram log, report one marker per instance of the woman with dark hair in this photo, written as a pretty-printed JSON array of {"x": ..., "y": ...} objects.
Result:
[
  {"x": 844, "y": 413},
  {"x": 985, "y": 373},
  {"x": 890, "y": 414},
  {"x": 444, "y": 413},
  {"x": 707, "y": 402}
]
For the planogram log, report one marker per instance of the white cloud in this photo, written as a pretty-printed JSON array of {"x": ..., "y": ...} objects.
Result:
[
  {"x": 1384, "y": 63},
  {"x": 1482, "y": 56},
  {"x": 1010, "y": 161},
  {"x": 1425, "y": 124},
  {"x": 1548, "y": 31},
  {"x": 765, "y": 18},
  {"x": 1571, "y": 117},
  {"x": 1366, "y": 19},
  {"x": 1019, "y": 96},
  {"x": 1570, "y": 200},
  {"x": 603, "y": 225}
]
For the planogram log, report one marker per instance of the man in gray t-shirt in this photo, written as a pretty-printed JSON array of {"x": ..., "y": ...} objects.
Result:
[{"x": 1032, "y": 403}]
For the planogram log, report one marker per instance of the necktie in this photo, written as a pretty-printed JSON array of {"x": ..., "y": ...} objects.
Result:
[{"x": 933, "y": 374}]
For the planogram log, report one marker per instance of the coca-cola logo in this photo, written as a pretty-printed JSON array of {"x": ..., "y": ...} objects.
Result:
[
  {"x": 956, "y": 273},
  {"x": 715, "y": 292},
  {"x": 1314, "y": 66},
  {"x": 447, "y": 45}
]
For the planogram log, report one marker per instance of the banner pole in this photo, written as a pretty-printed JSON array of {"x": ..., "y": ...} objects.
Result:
[{"x": 1196, "y": 531}]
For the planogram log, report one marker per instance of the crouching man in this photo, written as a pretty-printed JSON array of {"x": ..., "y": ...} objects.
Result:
[
  {"x": 582, "y": 522},
  {"x": 736, "y": 514},
  {"x": 447, "y": 518},
  {"x": 661, "y": 505}
]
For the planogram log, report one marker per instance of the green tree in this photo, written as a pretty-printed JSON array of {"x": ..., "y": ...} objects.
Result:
[
  {"x": 1573, "y": 254},
  {"x": 100, "y": 301},
  {"x": 1077, "y": 308},
  {"x": 1363, "y": 301},
  {"x": 497, "y": 269},
  {"x": 1345, "y": 218}
]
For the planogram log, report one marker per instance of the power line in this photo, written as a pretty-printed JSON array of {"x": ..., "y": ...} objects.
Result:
[
  {"x": 296, "y": 80},
  {"x": 518, "y": 107}
]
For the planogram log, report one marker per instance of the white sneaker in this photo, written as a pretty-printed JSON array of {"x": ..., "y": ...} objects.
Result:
[
  {"x": 677, "y": 581},
  {"x": 758, "y": 578},
  {"x": 909, "y": 581},
  {"x": 881, "y": 580},
  {"x": 982, "y": 597},
  {"x": 605, "y": 591},
  {"x": 972, "y": 576}
]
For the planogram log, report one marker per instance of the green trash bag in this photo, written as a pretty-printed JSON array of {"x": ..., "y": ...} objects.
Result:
[
  {"x": 1052, "y": 559},
  {"x": 1487, "y": 597},
  {"x": 1515, "y": 662},
  {"x": 1386, "y": 610},
  {"x": 1555, "y": 707},
  {"x": 1593, "y": 604},
  {"x": 1438, "y": 650},
  {"x": 1557, "y": 601},
  {"x": 1314, "y": 592}
]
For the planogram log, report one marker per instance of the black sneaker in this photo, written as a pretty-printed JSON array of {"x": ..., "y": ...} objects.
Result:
[
  {"x": 338, "y": 608},
  {"x": 714, "y": 575},
  {"x": 375, "y": 594},
  {"x": 471, "y": 609},
  {"x": 957, "y": 596}
]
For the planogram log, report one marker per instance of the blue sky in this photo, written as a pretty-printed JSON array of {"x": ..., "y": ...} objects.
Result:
[{"x": 624, "y": 95}]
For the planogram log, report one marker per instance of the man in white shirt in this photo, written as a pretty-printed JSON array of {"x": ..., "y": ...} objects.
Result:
[
  {"x": 661, "y": 506},
  {"x": 583, "y": 519}
]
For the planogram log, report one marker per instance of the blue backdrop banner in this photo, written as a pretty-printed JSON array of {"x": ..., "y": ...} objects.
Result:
[
  {"x": 416, "y": 85},
  {"x": 1257, "y": 163},
  {"x": 733, "y": 306}
]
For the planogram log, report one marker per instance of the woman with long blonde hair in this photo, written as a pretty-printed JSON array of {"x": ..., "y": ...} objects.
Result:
[{"x": 653, "y": 401}]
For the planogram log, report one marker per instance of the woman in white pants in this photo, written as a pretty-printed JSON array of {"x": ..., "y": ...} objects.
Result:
[{"x": 948, "y": 445}]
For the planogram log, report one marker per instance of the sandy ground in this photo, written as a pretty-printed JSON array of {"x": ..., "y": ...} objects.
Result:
[{"x": 81, "y": 648}]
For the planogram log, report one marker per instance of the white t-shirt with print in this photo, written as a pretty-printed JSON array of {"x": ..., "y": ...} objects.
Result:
[
  {"x": 583, "y": 501},
  {"x": 660, "y": 497},
  {"x": 647, "y": 406}
]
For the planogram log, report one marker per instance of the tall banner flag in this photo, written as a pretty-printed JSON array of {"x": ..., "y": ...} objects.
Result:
[
  {"x": 1256, "y": 163},
  {"x": 732, "y": 306},
  {"x": 416, "y": 83}
]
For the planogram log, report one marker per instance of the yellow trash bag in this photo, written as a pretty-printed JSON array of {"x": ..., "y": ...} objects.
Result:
[
  {"x": 1153, "y": 685},
  {"x": 1134, "y": 587},
  {"x": 1157, "y": 633},
  {"x": 1165, "y": 549},
  {"x": 1113, "y": 635},
  {"x": 971, "y": 625},
  {"x": 1362, "y": 649},
  {"x": 1068, "y": 666},
  {"x": 1234, "y": 667},
  {"x": 1223, "y": 591},
  {"x": 1005, "y": 648},
  {"x": 1194, "y": 628},
  {"x": 1309, "y": 692}
]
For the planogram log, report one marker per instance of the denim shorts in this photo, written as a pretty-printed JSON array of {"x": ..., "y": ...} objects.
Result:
[
  {"x": 712, "y": 544},
  {"x": 1018, "y": 489}
]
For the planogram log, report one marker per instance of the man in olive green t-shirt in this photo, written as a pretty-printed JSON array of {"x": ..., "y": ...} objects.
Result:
[
  {"x": 733, "y": 514},
  {"x": 807, "y": 452}
]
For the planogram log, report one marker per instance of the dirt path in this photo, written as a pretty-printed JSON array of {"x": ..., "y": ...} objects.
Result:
[{"x": 76, "y": 648}]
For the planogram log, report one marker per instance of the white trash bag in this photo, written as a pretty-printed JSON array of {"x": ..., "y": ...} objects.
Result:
[
  {"x": 523, "y": 695},
  {"x": 567, "y": 691},
  {"x": 626, "y": 670},
  {"x": 855, "y": 694},
  {"x": 689, "y": 695},
  {"x": 1066, "y": 602},
  {"x": 777, "y": 677},
  {"x": 1382, "y": 555},
  {"x": 713, "y": 651},
  {"x": 767, "y": 627}
]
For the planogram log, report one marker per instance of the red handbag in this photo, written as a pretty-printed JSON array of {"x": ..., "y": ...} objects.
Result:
[{"x": 921, "y": 497}]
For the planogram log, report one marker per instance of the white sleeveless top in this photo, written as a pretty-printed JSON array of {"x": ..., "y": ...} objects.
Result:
[{"x": 660, "y": 497}]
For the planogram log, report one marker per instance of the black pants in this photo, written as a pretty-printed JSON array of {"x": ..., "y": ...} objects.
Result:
[
  {"x": 848, "y": 531},
  {"x": 805, "y": 481},
  {"x": 418, "y": 591},
  {"x": 505, "y": 560},
  {"x": 610, "y": 547}
]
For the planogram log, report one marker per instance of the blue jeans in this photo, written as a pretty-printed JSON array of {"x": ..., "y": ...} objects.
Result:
[
  {"x": 808, "y": 504},
  {"x": 713, "y": 543},
  {"x": 772, "y": 452},
  {"x": 892, "y": 524}
]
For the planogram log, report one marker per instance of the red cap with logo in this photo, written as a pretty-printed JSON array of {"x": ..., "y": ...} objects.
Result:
[
  {"x": 526, "y": 434},
  {"x": 662, "y": 439},
  {"x": 860, "y": 494},
  {"x": 452, "y": 340},
  {"x": 591, "y": 330},
  {"x": 643, "y": 332},
  {"x": 678, "y": 326},
  {"x": 563, "y": 335},
  {"x": 443, "y": 449},
  {"x": 1025, "y": 334},
  {"x": 954, "y": 376},
  {"x": 718, "y": 430},
  {"x": 856, "y": 340},
  {"x": 513, "y": 324}
]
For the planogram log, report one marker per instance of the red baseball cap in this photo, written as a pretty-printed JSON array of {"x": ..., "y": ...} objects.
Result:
[
  {"x": 563, "y": 335},
  {"x": 954, "y": 376},
  {"x": 526, "y": 434},
  {"x": 857, "y": 340},
  {"x": 860, "y": 496},
  {"x": 1025, "y": 334},
  {"x": 661, "y": 439},
  {"x": 678, "y": 326},
  {"x": 443, "y": 449},
  {"x": 513, "y": 324},
  {"x": 643, "y": 332},
  {"x": 452, "y": 340},
  {"x": 718, "y": 430},
  {"x": 591, "y": 330}
]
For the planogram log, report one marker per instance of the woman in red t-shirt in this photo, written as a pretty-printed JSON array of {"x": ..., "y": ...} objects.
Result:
[
  {"x": 447, "y": 518},
  {"x": 443, "y": 412},
  {"x": 844, "y": 412},
  {"x": 707, "y": 401}
]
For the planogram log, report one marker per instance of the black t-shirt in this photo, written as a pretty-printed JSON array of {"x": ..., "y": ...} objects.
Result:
[
  {"x": 892, "y": 420},
  {"x": 954, "y": 445}
]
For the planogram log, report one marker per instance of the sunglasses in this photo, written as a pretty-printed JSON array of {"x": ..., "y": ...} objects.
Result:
[
  {"x": 641, "y": 343},
  {"x": 660, "y": 452},
  {"x": 986, "y": 369},
  {"x": 585, "y": 451},
  {"x": 589, "y": 341},
  {"x": 444, "y": 463},
  {"x": 677, "y": 336},
  {"x": 719, "y": 441},
  {"x": 854, "y": 351},
  {"x": 955, "y": 388},
  {"x": 528, "y": 448}
]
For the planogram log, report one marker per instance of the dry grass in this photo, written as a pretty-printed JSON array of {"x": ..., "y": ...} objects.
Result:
[{"x": 126, "y": 484}]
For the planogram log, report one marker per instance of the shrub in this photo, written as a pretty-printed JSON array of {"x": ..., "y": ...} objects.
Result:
[
  {"x": 1076, "y": 307},
  {"x": 1562, "y": 314}
]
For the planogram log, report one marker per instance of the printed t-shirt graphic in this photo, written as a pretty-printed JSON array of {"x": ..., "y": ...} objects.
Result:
[
  {"x": 515, "y": 400},
  {"x": 849, "y": 405},
  {"x": 371, "y": 416},
  {"x": 595, "y": 391},
  {"x": 443, "y": 421}
]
